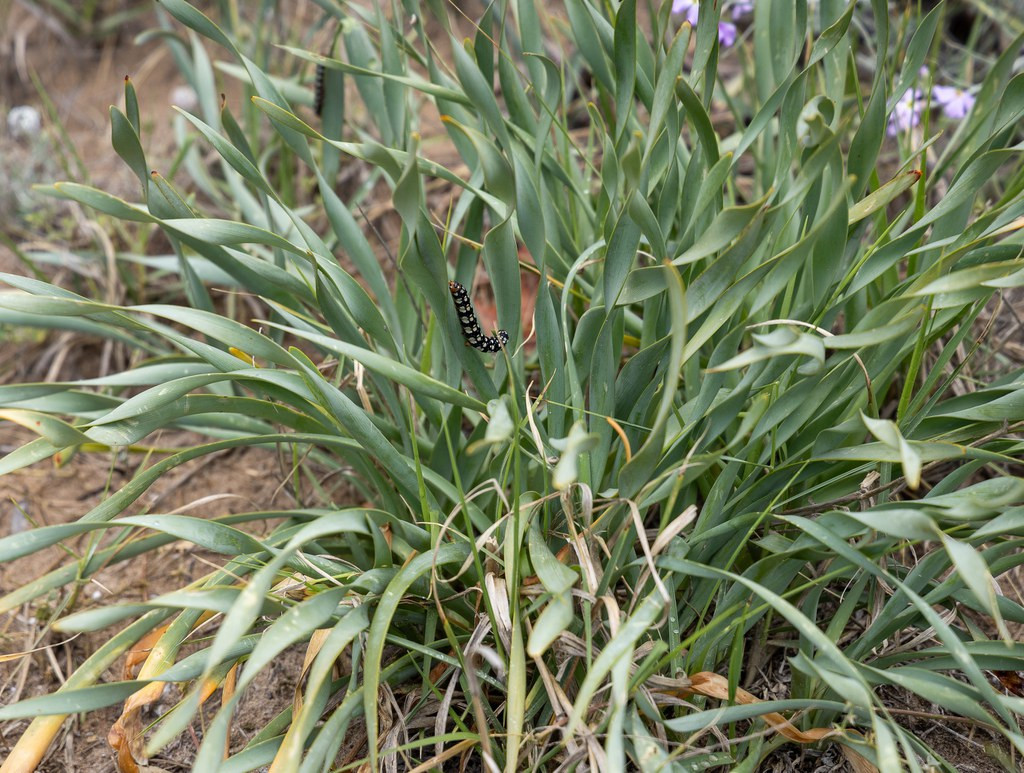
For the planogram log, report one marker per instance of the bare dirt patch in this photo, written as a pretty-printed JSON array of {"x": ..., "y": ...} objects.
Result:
[{"x": 233, "y": 481}]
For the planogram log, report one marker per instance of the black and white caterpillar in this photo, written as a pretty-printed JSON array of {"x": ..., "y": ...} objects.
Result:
[
  {"x": 318, "y": 90},
  {"x": 470, "y": 326}
]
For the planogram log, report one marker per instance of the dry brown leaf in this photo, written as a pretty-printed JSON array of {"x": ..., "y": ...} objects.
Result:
[
  {"x": 717, "y": 686},
  {"x": 447, "y": 754},
  {"x": 125, "y": 735},
  {"x": 226, "y": 694},
  {"x": 140, "y": 651}
]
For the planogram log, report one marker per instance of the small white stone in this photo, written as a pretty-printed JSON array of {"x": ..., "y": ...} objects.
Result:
[
  {"x": 24, "y": 121},
  {"x": 185, "y": 98}
]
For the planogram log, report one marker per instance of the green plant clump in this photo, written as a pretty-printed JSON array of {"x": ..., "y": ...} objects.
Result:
[{"x": 723, "y": 434}]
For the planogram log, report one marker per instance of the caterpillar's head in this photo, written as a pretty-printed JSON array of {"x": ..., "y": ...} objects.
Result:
[{"x": 503, "y": 337}]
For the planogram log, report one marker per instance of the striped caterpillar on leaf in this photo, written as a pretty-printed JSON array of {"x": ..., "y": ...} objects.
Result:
[
  {"x": 470, "y": 326},
  {"x": 318, "y": 90}
]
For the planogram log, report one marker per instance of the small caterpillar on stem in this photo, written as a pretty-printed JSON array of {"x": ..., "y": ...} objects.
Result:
[
  {"x": 470, "y": 326},
  {"x": 318, "y": 90}
]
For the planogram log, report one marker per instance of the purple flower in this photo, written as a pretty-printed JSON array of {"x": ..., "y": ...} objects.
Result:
[
  {"x": 906, "y": 114},
  {"x": 726, "y": 31},
  {"x": 684, "y": 7},
  {"x": 955, "y": 103},
  {"x": 726, "y": 34},
  {"x": 741, "y": 9}
]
